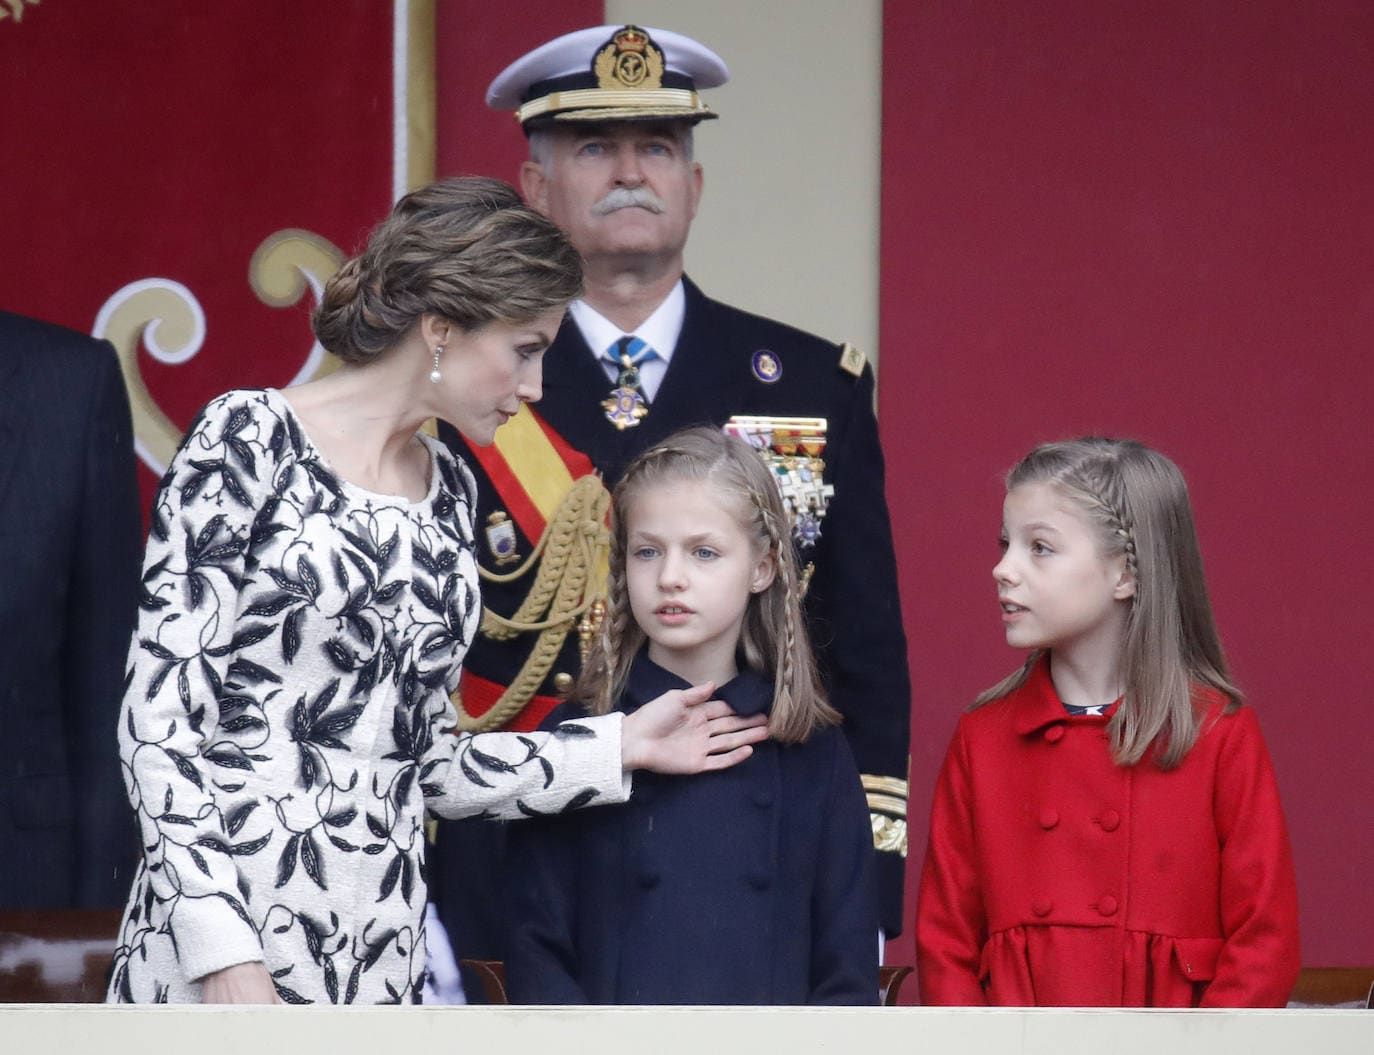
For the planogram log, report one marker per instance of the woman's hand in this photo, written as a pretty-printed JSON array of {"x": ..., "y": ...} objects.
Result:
[
  {"x": 243, "y": 983},
  {"x": 685, "y": 731}
]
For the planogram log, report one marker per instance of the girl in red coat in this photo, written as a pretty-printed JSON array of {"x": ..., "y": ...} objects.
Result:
[{"x": 1106, "y": 828}]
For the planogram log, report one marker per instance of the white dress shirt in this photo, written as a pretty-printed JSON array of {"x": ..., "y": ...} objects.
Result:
[{"x": 659, "y": 331}]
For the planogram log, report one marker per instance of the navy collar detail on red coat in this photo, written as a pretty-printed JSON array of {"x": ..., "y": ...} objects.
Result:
[
  {"x": 1039, "y": 705},
  {"x": 747, "y": 693}
]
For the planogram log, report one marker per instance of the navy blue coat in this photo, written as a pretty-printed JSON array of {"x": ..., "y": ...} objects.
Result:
[
  {"x": 747, "y": 886},
  {"x": 69, "y": 557},
  {"x": 851, "y": 605}
]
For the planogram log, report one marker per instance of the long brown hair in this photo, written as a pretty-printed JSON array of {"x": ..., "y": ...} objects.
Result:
[
  {"x": 1137, "y": 500},
  {"x": 773, "y": 639}
]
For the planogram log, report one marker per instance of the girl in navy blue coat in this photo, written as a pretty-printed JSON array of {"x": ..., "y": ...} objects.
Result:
[{"x": 745, "y": 886}]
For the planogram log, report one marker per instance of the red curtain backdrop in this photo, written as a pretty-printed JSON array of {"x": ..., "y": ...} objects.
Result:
[
  {"x": 474, "y": 41},
  {"x": 1150, "y": 220},
  {"x": 168, "y": 140}
]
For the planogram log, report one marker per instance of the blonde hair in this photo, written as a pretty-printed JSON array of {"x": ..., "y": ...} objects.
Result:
[
  {"x": 466, "y": 249},
  {"x": 1137, "y": 500},
  {"x": 773, "y": 639}
]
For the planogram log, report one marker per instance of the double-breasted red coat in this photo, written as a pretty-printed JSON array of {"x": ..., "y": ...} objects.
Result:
[{"x": 1053, "y": 876}]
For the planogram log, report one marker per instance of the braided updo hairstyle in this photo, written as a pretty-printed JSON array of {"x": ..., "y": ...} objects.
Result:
[
  {"x": 1137, "y": 501},
  {"x": 466, "y": 249},
  {"x": 773, "y": 638}
]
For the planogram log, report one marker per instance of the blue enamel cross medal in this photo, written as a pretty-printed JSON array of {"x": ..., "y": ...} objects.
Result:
[{"x": 625, "y": 406}]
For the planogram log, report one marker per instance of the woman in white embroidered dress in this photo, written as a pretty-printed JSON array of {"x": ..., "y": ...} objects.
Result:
[{"x": 308, "y": 594}]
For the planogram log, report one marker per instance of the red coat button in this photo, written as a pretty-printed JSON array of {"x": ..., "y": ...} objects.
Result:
[
  {"x": 1042, "y": 906},
  {"x": 1110, "y": 821},
  {"x": 1107, "y": 905},
  {"x": 1048, "y": 819},
  {"x": 1054, "y": 734}
]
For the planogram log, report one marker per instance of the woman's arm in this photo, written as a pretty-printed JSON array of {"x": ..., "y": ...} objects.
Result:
[
  {"x": 178, "y": 664},
  {"x": 580, "y": 763}
]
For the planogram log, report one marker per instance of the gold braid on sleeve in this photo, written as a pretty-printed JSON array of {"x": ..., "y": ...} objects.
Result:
[
  {"x": 887, "y": 812},
  {"x": 571, "y": 556}
]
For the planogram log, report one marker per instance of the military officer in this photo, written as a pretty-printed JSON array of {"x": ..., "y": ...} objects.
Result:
[{"x": 610, "y": 113}]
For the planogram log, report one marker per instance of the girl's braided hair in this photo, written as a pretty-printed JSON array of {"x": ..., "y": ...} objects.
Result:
[
  {"x": 1137, "y": 501},
  {"x": 773, "y": 639}
]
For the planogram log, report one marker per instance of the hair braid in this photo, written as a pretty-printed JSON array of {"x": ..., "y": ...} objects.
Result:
[
  {"x": 773, "y": 639},
  {"x": 1137, "y": 501}
]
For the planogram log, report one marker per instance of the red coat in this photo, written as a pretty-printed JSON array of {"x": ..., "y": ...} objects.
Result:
[{"x": 1054, "y": 876}]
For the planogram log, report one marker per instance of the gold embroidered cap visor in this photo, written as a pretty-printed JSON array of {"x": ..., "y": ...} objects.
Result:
[{"x": 610, "y": 73}]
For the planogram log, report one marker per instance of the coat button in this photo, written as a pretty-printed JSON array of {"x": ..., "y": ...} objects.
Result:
[
  {"x": 1107, "y": 905},
  {"x": 759, "y": 881},
  {"x": 1110, "y": 821},
  {"x": 1054, "y": 734},
  {"x": 648, "y": 880},
  {"x": 1042, "y": 906},
  {"x": 562, "y": 683},
  {"x": 1048, "y": 819},
  {"x": 763, "y": 799}
]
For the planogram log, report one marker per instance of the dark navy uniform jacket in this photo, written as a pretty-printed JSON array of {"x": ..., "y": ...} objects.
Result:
[
  {"x": 747, "y": 886},
  {"x": 851, "y": 605}
]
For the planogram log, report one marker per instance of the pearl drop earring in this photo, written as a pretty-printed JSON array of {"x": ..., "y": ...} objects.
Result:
[{"x": 434, "y": 374}]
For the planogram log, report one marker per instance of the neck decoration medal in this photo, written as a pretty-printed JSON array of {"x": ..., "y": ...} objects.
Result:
[{"x": 625, "y": 406}]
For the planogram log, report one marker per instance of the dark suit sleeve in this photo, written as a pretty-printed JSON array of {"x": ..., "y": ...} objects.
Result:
[
  {"x": 100, "y": 618},
  {"x": 844, "y": 941},
  {"x": 541, "y": 902},
  {"x": 857, "y": 622}
]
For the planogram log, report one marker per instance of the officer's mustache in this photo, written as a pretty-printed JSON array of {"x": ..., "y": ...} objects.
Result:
[{"x": 629, "y": 198}]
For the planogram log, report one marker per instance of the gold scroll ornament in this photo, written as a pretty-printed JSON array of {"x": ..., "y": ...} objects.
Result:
[{"x": 166, "y": 318}]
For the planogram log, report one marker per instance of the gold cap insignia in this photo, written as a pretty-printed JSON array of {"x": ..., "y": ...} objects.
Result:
[{"x": 630, "y": 60}]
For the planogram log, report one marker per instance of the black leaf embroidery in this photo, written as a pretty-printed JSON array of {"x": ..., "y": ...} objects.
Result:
[
  {"x": 310, "y": 578},
  {"x": 393, "y": 873},
  {"x": 270, "y": 604},
  {"x": 186, "y": 768},
  {"x": 290, "y": 996},
  {"x": 251, "y": 847},
  {"x": 581, "y": 799},
  {"x": 291, "y": 634},
  {"x": 343, "y": 818},
  {"x": 247, "y": 671},
  {"x": 491, "y": 762},
  {"x": 158, "y": 650},
  {"x": 312, "y": 861},
  {"x": 228, "y": 757},
  {"x": 286, "y": 863},
  {"x": 238, "y": 816},
  {"x": 565, "y": 730}
]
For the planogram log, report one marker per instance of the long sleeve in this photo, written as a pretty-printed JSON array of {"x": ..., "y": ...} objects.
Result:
[
  {"x": 857, "y": 627},
  {"x": 178, "y": 664},
  {"x": 1259, "y": 961},
  {"x": 844, "y": 961},
  {"x": 951, "y": 922},
  {"x": 514, "y": 775},
  {"x": 541, "y": 905},
  {"x": 100, "y": 603}
]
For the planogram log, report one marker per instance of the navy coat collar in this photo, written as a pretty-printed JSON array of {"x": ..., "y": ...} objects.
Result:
[{"x": 747, "y": 693}]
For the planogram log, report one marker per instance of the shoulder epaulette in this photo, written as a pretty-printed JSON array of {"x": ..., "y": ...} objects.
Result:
[{"x": 852, "y": 360}]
